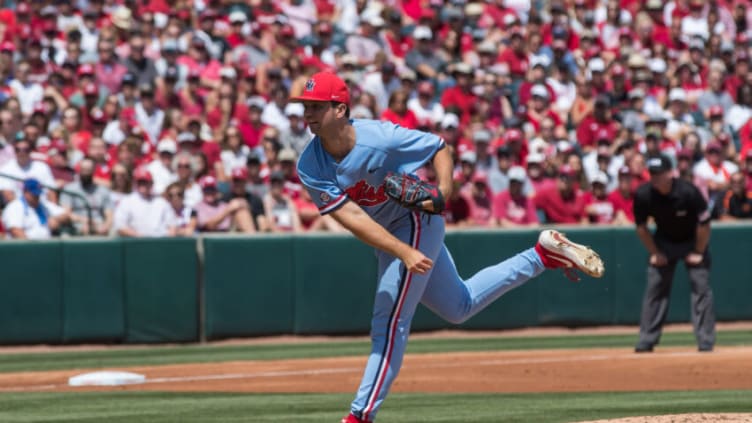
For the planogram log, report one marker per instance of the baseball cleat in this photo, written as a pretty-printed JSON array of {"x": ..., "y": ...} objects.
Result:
[
  {"x": 557, "y": 252},
  {"x": 352, "y": 419}
]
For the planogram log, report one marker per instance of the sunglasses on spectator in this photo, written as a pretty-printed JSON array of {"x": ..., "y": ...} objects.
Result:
[
  {"x": 143, "y": 182},
  {"x": 23, "y": 149},
  {"x": 184, "y": 165},
  {"x": 175, "y": 194},
  {"x": 270, "y": 138}
]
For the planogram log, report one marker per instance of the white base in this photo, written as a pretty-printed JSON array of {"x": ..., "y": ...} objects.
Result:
[{"x": 106, "y": 378}]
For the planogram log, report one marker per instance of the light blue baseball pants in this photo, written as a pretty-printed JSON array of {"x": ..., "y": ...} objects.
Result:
[{"x": 441, "y": 290}]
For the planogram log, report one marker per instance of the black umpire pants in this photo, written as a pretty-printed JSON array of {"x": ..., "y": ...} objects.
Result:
[{"x": 658, "y": 291}]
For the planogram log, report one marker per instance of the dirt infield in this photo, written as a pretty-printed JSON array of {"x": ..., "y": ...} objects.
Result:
[{"x": 587, "y": 370}]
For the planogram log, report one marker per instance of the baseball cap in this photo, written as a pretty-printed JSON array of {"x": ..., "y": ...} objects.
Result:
[
  {"x": 624, "y": 171},
  {"x": 240, "y": 173},
  {"x": 186, "y": 137},
  {"x": 238, "y": 16},
  {"x": 167, "y": 145},
  {"x": 7, "y": 46},
  {"x": 677, "y": 94},
  {"x": 714, "y": 146},
  {"x": 535, "y": 158},
  {"x": 657, "y": 65},
  {"x": 514, "y": 134},
  {"x": 325, "y": 86},
  {"x": 422, "y": 33},
  {"x": 425, "y": 87},
  {"x": 600, "y": 178},
  {"x": 207, "y": 181},
  {"x": 287, "y": 154},
  {"x": 480, "y": 176},
  {"x": 482, "y": 136},
  {"x": 469, "y": 157},
  {"x": 32, "y": 186},
  {"x": 636, "y": 93},
  {"x": 596, "y": 65},
  {"x": 294, "y": 109},
  {"x": 715, "y": 111},
  {"x": 128, "y": 79},
  {"x": 539, "y": 90},
  {"x": 85, "y": 69},
  {"x": 228, "y": 72},
  {"x": 277, "y": 176},
  {"x": 684, "y": 153},
  {"x": 658, "y": 164},
  {"x": 256, "y": 101},
  {"x": 450, "y": 120},
  {"x": 567, "y": 170},
  {"x": 142, "y": 174},
  {"x": 91, "y": 89},
  {"x": 517, "y": 173}
]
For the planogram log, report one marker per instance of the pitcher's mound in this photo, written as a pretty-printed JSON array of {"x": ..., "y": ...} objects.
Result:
[{"x": 684, "y": 418}]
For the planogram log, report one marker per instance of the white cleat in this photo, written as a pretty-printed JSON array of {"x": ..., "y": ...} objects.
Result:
[{"x": 562, "y": 253}]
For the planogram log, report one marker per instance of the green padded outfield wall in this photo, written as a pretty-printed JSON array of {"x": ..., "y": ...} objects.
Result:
[
  {"x": 93, "y": 291},
  {"x": 248, "y": 286},
  {"x": 161, "y": 290},
  {"x": 332, "y": 281},
  {"x": 334, "y": 284},
  {"x": 31, "y": 292}
]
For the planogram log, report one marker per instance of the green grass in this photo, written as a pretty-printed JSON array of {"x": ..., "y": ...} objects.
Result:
[
  {"x": 158, "y": 407},
  {"x": 158, "y": 355}
]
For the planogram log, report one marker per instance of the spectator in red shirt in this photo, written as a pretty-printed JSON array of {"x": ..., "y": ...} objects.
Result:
[
  {"x": 109, "y": 71},
  {"x": 539, "y": 107},
  {"x": 622, "y": 198},
  {"x": 598, "y": 122},
  {"x": 479, "y": 199},
  {"x": 511, "y": 207},
  {"x": 252, "y": 128},
  {"x": 598, "y": 208},
  {"x": 461, "y": 96},
  {"x": 537, "y": 75},
  {"x": 515, "y": 56},
  {"x": 398, "y": 113},
  {"x": 564, "y": 203}
]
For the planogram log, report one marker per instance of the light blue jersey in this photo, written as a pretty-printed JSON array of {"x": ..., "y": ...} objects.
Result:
[{"x": 380, "y": 148}]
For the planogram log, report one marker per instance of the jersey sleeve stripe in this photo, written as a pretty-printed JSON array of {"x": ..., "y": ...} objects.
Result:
[
  {"x": 442, "y": 143},
  {"x": 334, "y": 205}
]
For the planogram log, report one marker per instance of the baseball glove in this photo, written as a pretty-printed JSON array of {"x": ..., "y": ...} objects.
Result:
[{"x": 411, "y": 193}]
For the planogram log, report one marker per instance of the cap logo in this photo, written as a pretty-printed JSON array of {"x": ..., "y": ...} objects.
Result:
[
  {"x": 310, "y": 85},
  {"x": 324, "y": 197},
  {"x": 654, "y": 162}
]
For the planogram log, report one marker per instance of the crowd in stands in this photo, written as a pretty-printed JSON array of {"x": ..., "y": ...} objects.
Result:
[{"x": 171, "y": 117}]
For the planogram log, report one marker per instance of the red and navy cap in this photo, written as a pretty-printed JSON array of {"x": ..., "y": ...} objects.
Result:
[{"x": 325, "y": 86}]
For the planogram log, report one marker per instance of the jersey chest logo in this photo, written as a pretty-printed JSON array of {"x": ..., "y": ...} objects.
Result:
[{"x": 365, "y": 194}]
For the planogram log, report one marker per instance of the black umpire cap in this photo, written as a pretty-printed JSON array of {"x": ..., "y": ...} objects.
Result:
[{"x": 659, "y": 164}]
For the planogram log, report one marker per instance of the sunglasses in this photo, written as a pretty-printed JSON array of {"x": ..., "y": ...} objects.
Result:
[
  {"x": 175, "y": 194},
  {"x": 23, "y": 150}
]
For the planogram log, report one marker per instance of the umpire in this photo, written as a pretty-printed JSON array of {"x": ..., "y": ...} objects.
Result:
[{"x": 682, "y": 223}]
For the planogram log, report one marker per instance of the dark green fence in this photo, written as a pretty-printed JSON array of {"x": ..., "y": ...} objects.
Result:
[{"x": 185, "y": 290}]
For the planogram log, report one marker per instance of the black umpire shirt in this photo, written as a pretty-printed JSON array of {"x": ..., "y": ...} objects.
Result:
[{"x": 676, "y": 214}]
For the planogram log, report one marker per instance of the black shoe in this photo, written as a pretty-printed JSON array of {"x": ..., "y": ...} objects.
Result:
[
  {"x": 641, "y": 348},
  {"x": 705, "y": 348}
]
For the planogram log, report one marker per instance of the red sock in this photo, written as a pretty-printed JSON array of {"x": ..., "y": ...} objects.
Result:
[{"x": 547, "y": 262}]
